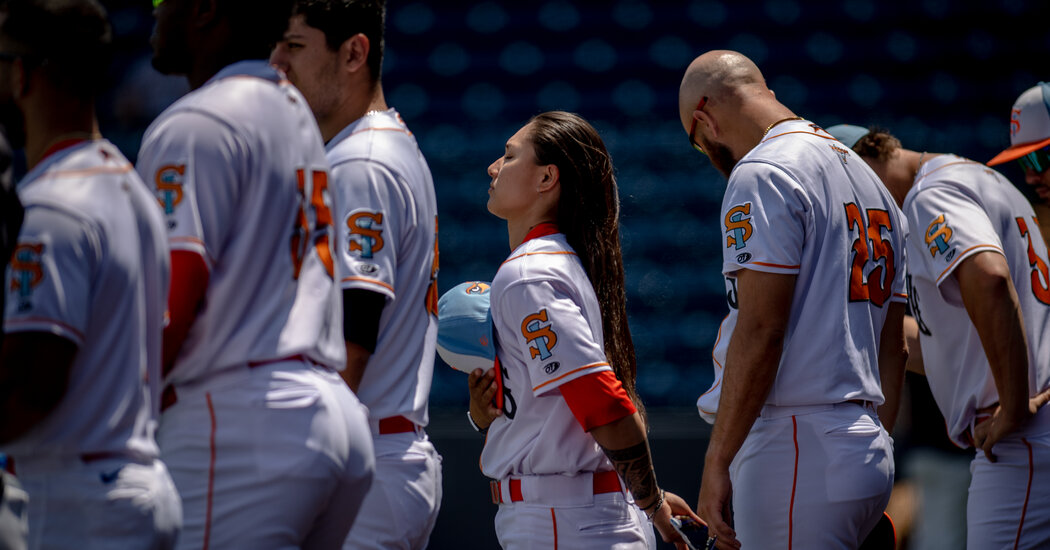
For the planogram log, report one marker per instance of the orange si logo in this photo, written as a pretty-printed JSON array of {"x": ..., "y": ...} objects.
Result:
[
  {"x": 1015, "y": 121},
  {"x": 366, "y": 236},
  {"x": 169, "y": 186},
  {"x": 937, "y": 236},
  {"x": 535, "y": 332},
  {"x": 738, "y": 225},
  {"x": 480, "y": 288},
  {"x": 26, "y": 270}
]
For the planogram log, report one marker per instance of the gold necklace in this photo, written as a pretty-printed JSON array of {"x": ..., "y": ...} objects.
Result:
[{"x": 770, "y": 127}]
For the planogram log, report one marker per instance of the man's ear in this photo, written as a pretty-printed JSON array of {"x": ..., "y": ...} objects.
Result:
[
  {"x": 551, "y": 178},
  {"x": 205, "y": 13},
  {"x": 354, "y": 53},
  {"x": 705, "y": 118}
]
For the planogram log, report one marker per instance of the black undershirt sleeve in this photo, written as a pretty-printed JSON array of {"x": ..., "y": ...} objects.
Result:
[{"x": 361, "y": 311}]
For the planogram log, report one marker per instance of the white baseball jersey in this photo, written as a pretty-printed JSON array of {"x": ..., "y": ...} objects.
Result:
[
  {"x": 386, "y": 226},
  {"x": 91, "y": 266},
  {"x": 801, "y": 203},
  {"x": 225, "y": 162},
  {"x": 958, "y": 208},
  {"x": 548, "y": 332}
]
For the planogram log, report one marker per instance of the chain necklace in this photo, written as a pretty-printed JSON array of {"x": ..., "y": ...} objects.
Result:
[{"x": 770, "y": 127}]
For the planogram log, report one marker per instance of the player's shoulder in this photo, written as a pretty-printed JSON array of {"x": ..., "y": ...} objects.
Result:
[
  {"x": 547, "y": 257},
  {"x": 83, "y": 178},
  {"x": 242, "y": 96}
]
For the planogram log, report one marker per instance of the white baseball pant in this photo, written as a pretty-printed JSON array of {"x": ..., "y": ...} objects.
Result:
[
  {"x": 812, "y": 477},
  {"x": 277, "y": 457}
]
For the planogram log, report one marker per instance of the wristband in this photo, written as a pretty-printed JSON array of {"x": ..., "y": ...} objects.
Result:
[
  {"x": 656, "y": 507},
  {"x": 474, "y": 425}
]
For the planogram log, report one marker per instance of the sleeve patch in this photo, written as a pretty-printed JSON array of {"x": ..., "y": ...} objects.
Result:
[
  {"x": 27, "y": 272},
  {"x": 168, "y": 180},
  {"x": 540, "y": 337},
  {"x": 365, "y": 236},
  {"x": 738, "y": 226},
  {"x": 938, "y": 236}
]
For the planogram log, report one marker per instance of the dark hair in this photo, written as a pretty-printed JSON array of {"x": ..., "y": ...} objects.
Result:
[
  {"x": 878, "y": 144},
  {"x": 341, "y": 19},
  {"x": 589, "y": 216},
  {"x": 69, "y": 40},
  {"x": 255, "y": 26}
]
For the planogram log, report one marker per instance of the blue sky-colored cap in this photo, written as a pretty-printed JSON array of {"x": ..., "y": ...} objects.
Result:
[
  {"x": 465, "y": 336},
  {"x": 848, "y": 134}
]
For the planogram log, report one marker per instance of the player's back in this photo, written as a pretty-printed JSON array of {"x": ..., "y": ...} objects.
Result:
[
  {"x": 838, "y": 230},
  {"x": 387, "y": 243},
  {"x": 239, "y": 169},
  {"x": 959, "y": 208},
  {"x": 92, "y": 267}
]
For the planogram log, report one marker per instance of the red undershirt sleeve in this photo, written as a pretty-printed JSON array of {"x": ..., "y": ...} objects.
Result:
[
  {"x": 189, "y": 280},
  {"x": 597, "y": 399}
]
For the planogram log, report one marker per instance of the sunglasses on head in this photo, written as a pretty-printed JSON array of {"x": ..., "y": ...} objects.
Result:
[{"x": 1038, "y": 161}]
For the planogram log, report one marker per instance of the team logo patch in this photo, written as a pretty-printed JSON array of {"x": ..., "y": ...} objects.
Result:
[
  {"x": 539, "y": 335},
  {"x": 743, "y": 257},
  {"x": 368, "y": 269},
  {"x": 169, "y": 188},
  {"x": 477, "y": 288},
  {"x": 738, "y": 226},
  {"x": 366, "y": 233},
  {"x": 551, "y": 368},
  {"x": 27, "y": 272},
  {"x": 842, "y": 153},
  {"x": 938, "y": 234}
]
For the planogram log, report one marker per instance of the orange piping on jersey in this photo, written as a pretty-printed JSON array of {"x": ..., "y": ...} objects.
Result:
[
  {"x": 554, "y": 522},
  {"x": 534, "y": 254},
  {"x": 901, "y": 294},
  {"x": 794, "y": 484},
  {"x": 367, "y": 280},
  {"x": 814, "y": 134},
  {"x": 945, "y": 166},
  {"x": 211, "y": 474},
  {"x": 32, "y": 320},
  {"x": 778, "y": 265},
  {"x": 1027, "y": 493},
  {"x": 124, "y": 169},
  {"x": 964, "y": 252},
  {"x": 573, "y": 371}
]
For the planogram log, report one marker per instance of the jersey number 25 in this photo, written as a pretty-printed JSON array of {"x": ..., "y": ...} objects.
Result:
[
  {"x": 870, "y": 246},
  {"x": 312, "y": 222}
]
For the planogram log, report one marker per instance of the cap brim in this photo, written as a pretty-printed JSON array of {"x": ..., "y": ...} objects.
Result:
[{"x": 1017, "y": 151}]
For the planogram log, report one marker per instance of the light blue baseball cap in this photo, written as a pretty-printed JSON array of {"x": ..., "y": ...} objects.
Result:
[
  {"x": 465, "y": 334},
  {"x": 848, "y": 134}
]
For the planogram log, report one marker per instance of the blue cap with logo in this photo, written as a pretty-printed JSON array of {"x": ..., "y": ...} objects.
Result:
[
  {"x": 848, "y": 134},
  {"x": 465, "y": 335}
]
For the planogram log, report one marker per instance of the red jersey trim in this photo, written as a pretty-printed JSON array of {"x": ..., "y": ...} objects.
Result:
[{"x": 597, "y": 399}]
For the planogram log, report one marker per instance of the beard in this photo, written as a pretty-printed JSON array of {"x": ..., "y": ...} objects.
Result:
[{"x": 721, "y": 157}]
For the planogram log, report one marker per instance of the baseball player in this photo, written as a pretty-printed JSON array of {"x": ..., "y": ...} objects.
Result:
[
  {"x": 385, "y": 258},
  {"x": 266, "y": 444},
  {"x": 813, "y": 255},
  {"x": 568, "y": 450},
  {"x": 85, "y": 296},
  {"x": 980, "y": 293}
]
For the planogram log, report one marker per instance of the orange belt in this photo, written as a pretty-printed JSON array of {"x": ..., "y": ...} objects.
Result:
[
  {"x": 604, "y": 482},
  {"x": 396, "y": 425}
]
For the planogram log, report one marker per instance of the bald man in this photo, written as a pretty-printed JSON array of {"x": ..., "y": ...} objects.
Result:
[{"x": 813, "y": 255}]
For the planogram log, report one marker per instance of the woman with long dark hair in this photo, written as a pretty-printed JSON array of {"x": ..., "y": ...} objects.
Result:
[{"x": 567, "y": 449}]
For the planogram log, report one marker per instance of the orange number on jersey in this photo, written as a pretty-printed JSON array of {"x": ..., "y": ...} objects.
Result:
[
  {"x": 302, "y": 233},
  {"x": 1040, "y": 275},
  {"x": 877, "y": 287},
  {"x": 432, "y": 290}
]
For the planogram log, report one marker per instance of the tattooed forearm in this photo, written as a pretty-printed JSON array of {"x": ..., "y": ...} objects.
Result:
[{"x": 635, "y": 467}]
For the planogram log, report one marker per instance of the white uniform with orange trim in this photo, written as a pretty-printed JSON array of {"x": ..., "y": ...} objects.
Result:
[
  {"x": 549, "y": 332},
  {"x": 386, "y": 223},
  {"x": 267, "y": 445},
  {"x": 958, "y": 208},
  {"x": 817, "y": 467},
  {"x": 91, "y": 266}
]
